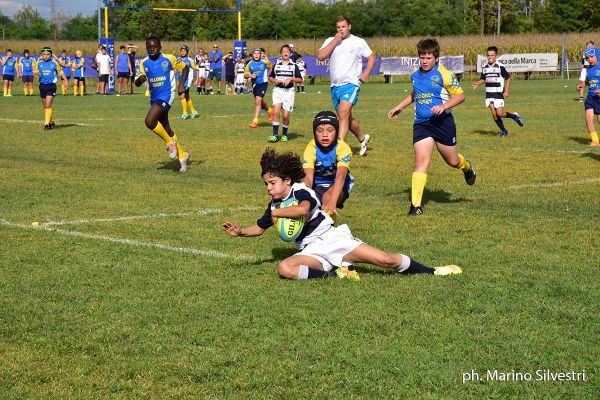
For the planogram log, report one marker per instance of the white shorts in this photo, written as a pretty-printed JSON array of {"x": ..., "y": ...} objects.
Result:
[
  {"x": 201, "y": 72},
  {"x": 331, "y": 247},
  {"x": 240, "y": 80},
  {"x": 302, "y": 74},
  {"x": 583, "y": 75},
  {"x": 498, "y": 103},
  {"x": 284, "y": 97}
]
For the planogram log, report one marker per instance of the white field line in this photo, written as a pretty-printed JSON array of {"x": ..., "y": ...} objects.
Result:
[
  {"x": 131, "y": 242},
  {"x": 206, "y": 211},
  {"x": 40, "y": 122},
  {"x": 554, "y": 184}
]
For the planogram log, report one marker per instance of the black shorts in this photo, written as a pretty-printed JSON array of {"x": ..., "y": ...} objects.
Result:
[
  {"x": 126, "y": 75},
  {"x": 592, "y": 102},
  {"x": 103, "y": 78},
  {"x": 162, "y": 103},
  {"x": 230, "y": 79},
  {"x": 442, "y": 129},
  {"x": 27, "y": 78},
  {"x": 8, "y": 77},
  {"x": 48, "y": 89},
  {"x": 78, "y": 79},
  {"x": 68, "y": 77},
  {"x": 259, "y": 89},
  {"x": 320, "y": 191}
]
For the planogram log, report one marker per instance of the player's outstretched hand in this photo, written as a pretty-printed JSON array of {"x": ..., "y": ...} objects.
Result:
[
  {"x": 394, "y": 112},
  {"x": 437, "y": 110},
  {"x": 232, "y": 229}
]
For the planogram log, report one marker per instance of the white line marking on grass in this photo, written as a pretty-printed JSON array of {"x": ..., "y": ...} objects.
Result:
[
  {"x": 555, "y": 184},
  {"x": 131, "y": 242},
  {"x": 206, "y": 211},
  {"x": 40, "y": 122}
]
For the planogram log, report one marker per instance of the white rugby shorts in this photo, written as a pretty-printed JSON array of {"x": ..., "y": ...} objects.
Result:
[
  {"x": 498, "y": 103},
  {"x": 583, "y": 75},
  {"x": 331, "y": 247},
  {"x": 284, "y": 97}
]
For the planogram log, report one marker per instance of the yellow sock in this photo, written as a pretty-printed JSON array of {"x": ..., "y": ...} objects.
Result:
[
  {"x": 419, "y": 179},
  {"x": 191, "y": 106},
  {"x": 180, "y": 152},
  {"x": 47, "y": 116},
  {"x": 464, "y": 164},
  {"x": 594, "y": 137},
  {"x": 269, "y": 110},
  {"x": 255, "y": 120},
  {"x": 10, "y": 91},
  {"x": 184, "y": 106},
  {"x": 62, "y": 89},
  {"x": 5, "y": 91},
  {"x": 75, "y": 90},
  {"x": 26, "y": 91},
  {"x": 160, "y": 131}
]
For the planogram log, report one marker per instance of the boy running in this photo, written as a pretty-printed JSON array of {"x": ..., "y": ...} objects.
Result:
[
  {"x": 258, "y": 70},
  {"x": 497, "y": 84},
  {"x": 325, "y": 250},
  {"x": 283, "y": 75},
  {"x": 435, "y": 91},
  {"x": 592, "y": 101},
  {"x": 159, "y": 70},
  {"x": 48, "y": 70}
]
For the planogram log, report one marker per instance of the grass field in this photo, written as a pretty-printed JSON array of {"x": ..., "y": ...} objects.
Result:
[{"x": 129, "y": 288}]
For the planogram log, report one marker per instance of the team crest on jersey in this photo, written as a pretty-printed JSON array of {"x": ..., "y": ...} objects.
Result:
[
  {"x": 435, "y": 81},
  {"x": 165, "y": 66}
]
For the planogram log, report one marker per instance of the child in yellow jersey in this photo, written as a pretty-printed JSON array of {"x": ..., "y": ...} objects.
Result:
[
  {"x": 159, "y": 70},
  {"x": 48, "y": 71},
  {"x": 435, "y": 91}
]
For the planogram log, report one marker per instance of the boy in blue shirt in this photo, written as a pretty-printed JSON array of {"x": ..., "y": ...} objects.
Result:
[
  {"x": 78, "y": 74},
  {"x": 8, "y": 73},
  {"x": 26, "y": 66},
  {"x": 123, "y": 70},
  {"x": 48, "y": 70},
  {"x": 435, "y": 91},
  {"x": 325, "y": 250},
  {"x": 592, "y": 101},
  {"x": 65, "y": 63},
  {"x": 258, "y": 71},
  {"x": 159, "y": 70}
]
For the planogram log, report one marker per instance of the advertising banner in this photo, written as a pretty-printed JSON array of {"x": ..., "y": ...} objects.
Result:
[
  {"x": 527, "y": 62},
  {"x": 407, "y": 65},
  {"x": 109, "y": 43}
]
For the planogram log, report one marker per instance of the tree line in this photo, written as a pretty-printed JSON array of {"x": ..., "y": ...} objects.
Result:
[{"x": 272, "y": 19}]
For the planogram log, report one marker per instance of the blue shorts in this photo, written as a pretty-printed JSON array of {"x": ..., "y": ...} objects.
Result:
[
  {"x": 442, "y": 129},
  {"x": 592, "y": 102},
  {"x": 260, "y": 89},
  {"x": 215, "y": 74},
  {"x": 48, "y": 89},
  {"x": 162, "y": 103},
  {"x": 8, "y": 77},
  {"x": 347, "y": 92},
  {"x": 320, "y": 191},
  {"x": 27, "y": 78}
]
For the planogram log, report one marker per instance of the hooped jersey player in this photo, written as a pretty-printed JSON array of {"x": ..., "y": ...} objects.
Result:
[
  {"x": 317, "y": 222},
  {"x": 282, "y": 71},
  {"x": 494, "y": 76},
  {"x": 161, "y": 77},
  {"x": 433, "y": 88}
]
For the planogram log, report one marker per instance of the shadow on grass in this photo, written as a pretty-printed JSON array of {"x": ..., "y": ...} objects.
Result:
[
  {"x": 485, "y": 133},
  {"x": 173, "y": 165},
  {"x": 593, "y": 156},
  {"x": 579, "y": 139},
  {"x": 436, "y": 196},
  {"x": 277, "y": 254},
  {"x": 64, "y": 126}
]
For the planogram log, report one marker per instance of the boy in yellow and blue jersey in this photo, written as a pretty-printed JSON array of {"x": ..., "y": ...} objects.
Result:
[
  {"x": 184, "y": 97},
  {"x": 592, "y": 101},
  {"x": 48, "y": 70},
  {"x": 78, "y": 67},
  {"x": 326, "y": 163},
  {"x": 435, "y": 91},
  {"x": 26, "y": 67},
  {"x": 8, "y": 73},
  {"x": 159, "y": 70},
  {"x": 65, "y": 62},
  {"x": 258, "y": 70}
]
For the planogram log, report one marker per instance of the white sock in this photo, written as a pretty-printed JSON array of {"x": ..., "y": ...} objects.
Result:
[
  {"x": 405, "y": 263},
  {"x": 302, "y": 271}
]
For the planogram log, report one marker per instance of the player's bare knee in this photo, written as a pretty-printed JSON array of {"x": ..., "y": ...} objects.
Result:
[{"x": 285, "y": 269}]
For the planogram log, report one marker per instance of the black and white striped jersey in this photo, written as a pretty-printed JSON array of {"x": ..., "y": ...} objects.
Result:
[
  {"x": 494, "y": 77},
  {"x": 282, "y": 71}
]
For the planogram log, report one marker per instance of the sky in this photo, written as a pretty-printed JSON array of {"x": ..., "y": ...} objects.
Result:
[{"x": 72, "y": 7}]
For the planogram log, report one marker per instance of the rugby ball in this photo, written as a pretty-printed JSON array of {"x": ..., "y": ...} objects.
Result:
[{"x": 289, "y": 228}]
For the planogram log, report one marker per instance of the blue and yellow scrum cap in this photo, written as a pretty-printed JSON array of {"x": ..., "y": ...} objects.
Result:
[
  {"x": 592, "y": 51},
  {"x": 47, "y": 50}
]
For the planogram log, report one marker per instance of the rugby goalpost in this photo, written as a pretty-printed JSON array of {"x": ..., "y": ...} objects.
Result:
[{"x": 238, "y": 10}]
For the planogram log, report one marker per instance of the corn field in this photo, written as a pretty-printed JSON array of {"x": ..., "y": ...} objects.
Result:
[{"x": 469, "y": 46}]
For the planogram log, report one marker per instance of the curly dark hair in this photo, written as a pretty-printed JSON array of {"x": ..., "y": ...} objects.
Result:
[{"x": 286, "y": 165}]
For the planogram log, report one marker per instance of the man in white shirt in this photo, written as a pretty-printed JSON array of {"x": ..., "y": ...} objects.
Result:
[
  {"x": 345, "y": 52},
  {"x": 103, "y": 61}
]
